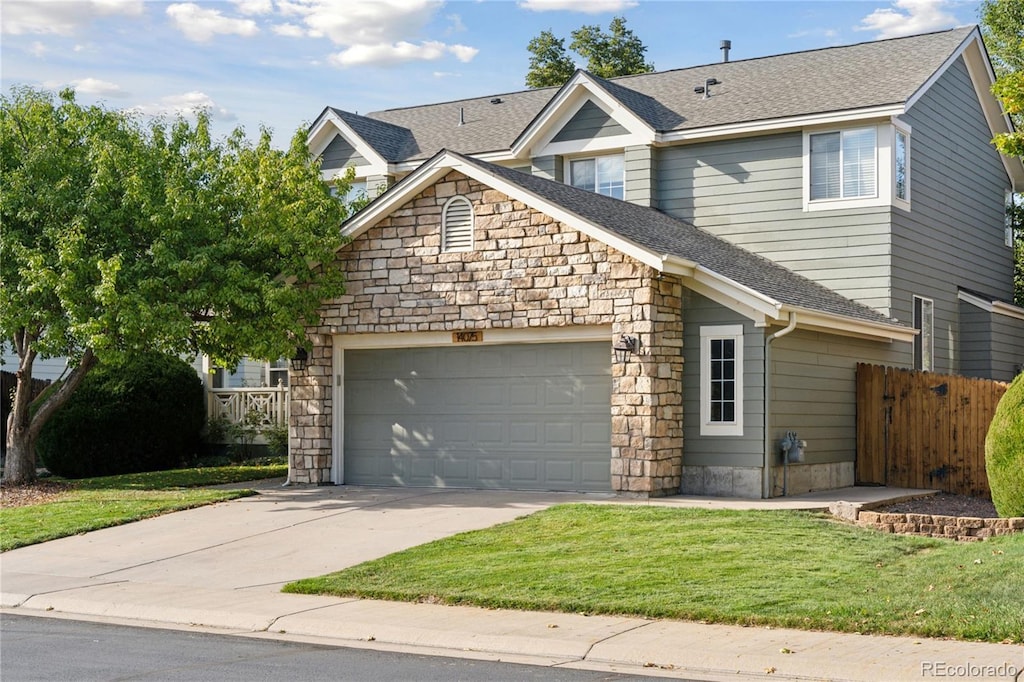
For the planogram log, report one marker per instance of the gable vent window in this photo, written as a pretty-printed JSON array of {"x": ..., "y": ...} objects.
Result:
[{"x": 457, "y": 225}]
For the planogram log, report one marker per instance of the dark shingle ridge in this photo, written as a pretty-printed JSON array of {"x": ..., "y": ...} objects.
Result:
[{"x": 661, "y": 234}]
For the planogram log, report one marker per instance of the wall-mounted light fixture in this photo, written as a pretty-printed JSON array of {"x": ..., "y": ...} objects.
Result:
[
  {"x": 626, "y": 346},
  {"x": 300, "y": 359}
]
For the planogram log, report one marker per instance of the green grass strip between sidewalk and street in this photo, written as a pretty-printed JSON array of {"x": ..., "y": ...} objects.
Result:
[{"x": 758, "y": 568}]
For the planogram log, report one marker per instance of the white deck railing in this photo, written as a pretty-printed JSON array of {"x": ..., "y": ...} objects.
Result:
[{"x": 234, "y": 404}]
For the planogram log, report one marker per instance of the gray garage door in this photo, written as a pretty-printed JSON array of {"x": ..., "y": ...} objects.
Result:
[{"x": 522, "y": 417}]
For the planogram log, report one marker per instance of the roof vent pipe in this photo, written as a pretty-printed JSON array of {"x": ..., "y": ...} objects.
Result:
[
  {"x": 462, "y": 116},
  {"x": 725, "y": 46}
]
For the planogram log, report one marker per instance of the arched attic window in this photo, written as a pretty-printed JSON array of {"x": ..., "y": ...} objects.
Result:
[{"x": 457, "y": 225}]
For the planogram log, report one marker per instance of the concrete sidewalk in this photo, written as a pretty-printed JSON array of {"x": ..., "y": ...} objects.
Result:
[{"x": 221, "y": 567}]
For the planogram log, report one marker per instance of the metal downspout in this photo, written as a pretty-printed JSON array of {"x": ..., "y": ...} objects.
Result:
[{"x": 766, "y": 471}]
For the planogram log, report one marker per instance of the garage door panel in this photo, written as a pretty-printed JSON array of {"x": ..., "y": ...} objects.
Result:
[{"x": 524, "y": 416}]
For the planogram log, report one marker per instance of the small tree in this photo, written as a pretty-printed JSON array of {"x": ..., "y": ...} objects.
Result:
[
  {"x": 1004, "y": 451},
  {"x": 549, "y": 63},
  {"x": 120, "y": 238},
  {"x": 615, "y": 53}
]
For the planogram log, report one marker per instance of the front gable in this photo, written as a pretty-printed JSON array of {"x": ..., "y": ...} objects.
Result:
[
  {"x": 525, "y": 270},
  {"x": 582, "y": 116},
  {"x": 341, "y": 147}
]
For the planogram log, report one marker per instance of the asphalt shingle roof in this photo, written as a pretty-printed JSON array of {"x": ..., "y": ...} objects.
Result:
[
  {"x": 661, "y": 234},
  {"x": 818, "y": 81}
]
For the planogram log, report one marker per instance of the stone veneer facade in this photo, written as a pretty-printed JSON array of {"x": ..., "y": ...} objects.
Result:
[{"x": 526, "y": 270}]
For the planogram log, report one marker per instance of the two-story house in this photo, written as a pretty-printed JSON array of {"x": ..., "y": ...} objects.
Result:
[{"x": 642, "y": 284}]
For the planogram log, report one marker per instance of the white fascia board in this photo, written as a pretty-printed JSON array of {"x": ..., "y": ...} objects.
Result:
[
  {"x": 830, "y": 118},
  {"x": 1008, "y": 309},
  {"x": 564, "y": 105},
  {"x": 330, "y": 124},
  {"x": 996, "y": 307},
  {"x": 408, "y": 186},
  {"x": 741, "y": 299},
  {"x": 593, "y": 146},
  {"x": 491, "y": 337},
  {"x": 816, "y": 320}
]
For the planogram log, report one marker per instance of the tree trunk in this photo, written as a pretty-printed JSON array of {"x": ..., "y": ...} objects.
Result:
[
  {"x": 23, "y": 426},
  {"x": 20, "y": 464}
]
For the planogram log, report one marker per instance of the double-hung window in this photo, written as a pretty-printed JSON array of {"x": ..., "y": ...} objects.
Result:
[
  {"x": 602, "y": 174},
  {"x": 857, "y": 167},
  {"x": 843, "y": 164},
  {"x": 721, "y": 380}
]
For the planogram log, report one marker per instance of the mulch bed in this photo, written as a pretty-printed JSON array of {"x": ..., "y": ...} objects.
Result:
[
  {"x": 945, "y": 504},
  {"x": 39, "y": 492}
]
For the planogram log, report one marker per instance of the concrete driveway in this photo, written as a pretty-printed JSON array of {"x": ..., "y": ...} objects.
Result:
[{"x": 265, "y": 541}]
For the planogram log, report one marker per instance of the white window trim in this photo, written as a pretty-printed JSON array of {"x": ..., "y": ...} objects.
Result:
[
  {"x": 568, "y": 161},
  {"x": 444, "y": 225},
  {"x": 884, "y": 170},
  {"x": 919, "y": 339},
  {"x": 707, "y": 427}
]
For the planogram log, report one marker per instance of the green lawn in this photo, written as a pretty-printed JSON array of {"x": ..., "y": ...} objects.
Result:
[
  {"x": 96, "y": 503},
  {"x": 783, "y": 569}
]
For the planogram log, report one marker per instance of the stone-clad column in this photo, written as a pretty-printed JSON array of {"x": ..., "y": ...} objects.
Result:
[
  {"x": 310, "y": 424},
  {"x": 647, "y": 390}
]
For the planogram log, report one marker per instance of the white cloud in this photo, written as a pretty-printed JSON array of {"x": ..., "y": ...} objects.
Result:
[
  {"x": 289, "y": 30},
  {"x": 200, "y": 24},
  {"x": 254, "y": 6},
  {"x": 388, "y": 54},
  {"x": 456, "y": 24},
  {"x": 37, "y": 49},
  {"x": 97, "y": 87},
  {"x": 377, "y": 32},
  {"x": 814, "y": 32},
  {"x": 584, "y": 6},
  {"x": 907, "y": 17},
  {"x": 61, "y": 17},
  {"x": 186, "y": 104},
  {"x": 366, "y": 23}
]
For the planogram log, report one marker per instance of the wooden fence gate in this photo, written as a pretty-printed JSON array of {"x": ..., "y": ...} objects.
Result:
[{"x": 923, "y": 430}]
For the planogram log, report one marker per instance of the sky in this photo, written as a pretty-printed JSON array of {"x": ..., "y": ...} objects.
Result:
[{"x": 278, "y": 63}]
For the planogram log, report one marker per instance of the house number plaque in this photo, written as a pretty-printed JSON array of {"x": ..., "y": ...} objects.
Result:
[{"x": 468, "y": 337}]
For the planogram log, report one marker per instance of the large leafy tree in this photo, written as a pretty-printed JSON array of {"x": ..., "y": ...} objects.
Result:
[
  {"x": 1002, "y": 24},
  {"x": 617, "y": 52},
  {"x": 120, "y": 237}
]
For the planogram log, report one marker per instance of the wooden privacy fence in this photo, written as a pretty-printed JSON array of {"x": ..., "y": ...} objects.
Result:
[{"x": 923, "y": 430}]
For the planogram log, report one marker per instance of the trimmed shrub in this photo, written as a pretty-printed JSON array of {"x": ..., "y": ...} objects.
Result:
[
  {"x": 142, "y": 415},
  {"x": 1004, "y": 452}
]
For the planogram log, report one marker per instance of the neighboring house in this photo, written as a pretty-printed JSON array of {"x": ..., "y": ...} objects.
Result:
[{"x": 758, "y": 228}]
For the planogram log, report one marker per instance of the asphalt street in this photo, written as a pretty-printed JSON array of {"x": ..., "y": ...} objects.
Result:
[{"x": 54, "y": 649}]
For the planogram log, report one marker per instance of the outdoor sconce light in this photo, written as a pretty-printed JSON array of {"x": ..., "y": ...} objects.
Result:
[
  {"x": 626, "y": 346},
  {"x": 300, "y": 359}
]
